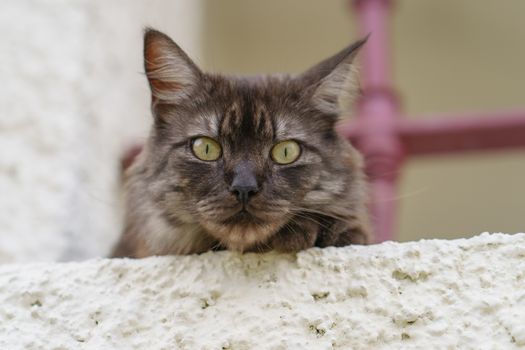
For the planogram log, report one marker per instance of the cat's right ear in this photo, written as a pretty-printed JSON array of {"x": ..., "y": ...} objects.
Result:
[
  {"x": 172, "y": 75},
  {"x": 334, "y": 81}
]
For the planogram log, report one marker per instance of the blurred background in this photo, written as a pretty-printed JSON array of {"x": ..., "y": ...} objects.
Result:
[{"x": 73, "y": 98}]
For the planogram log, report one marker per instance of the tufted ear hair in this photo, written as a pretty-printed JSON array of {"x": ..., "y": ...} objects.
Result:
[
  {"x": 172, "y": 75},
  {"x": 334, "y": 81}
]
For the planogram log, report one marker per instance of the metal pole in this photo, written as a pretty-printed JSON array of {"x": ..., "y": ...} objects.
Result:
[{"x": 378, "y": 116}]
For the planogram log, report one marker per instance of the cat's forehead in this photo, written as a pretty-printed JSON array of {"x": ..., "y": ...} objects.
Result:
[
  {"x": 261, "y": 123},
  {"x": 261, "y": 108}
]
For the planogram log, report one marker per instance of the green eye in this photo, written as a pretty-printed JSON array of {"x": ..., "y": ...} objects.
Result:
[
  {"x": 286, "y": 152},
  {"x": 206, "y": 148}
]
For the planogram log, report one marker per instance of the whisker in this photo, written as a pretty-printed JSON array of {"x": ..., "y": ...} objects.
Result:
[
  {"x": 314, "y": 211},
  {"x": 314, "y": 221},
  {"x": 405, "y": 195}
]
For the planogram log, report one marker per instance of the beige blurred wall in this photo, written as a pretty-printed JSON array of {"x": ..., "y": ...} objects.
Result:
[
  {"x": 449, "y": 55},
  {"x": 460, "y": 56}
]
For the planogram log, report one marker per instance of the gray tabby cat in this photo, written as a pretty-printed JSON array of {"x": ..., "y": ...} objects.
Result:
[{"x": 246, "y": 164}]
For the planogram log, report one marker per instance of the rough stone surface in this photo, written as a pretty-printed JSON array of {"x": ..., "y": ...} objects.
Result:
[{"x": 462, "y": 294}]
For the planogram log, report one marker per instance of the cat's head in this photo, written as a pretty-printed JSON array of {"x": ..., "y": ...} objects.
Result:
[{"x": 242, "y": 156}]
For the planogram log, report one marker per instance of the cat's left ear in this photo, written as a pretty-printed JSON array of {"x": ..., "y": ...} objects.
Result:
[
  {"x": 334, "y": 81},
  {"x": 172, "y": 75}
]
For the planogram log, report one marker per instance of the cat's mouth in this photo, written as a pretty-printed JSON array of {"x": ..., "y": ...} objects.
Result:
[{"x": 242, "y": 217}]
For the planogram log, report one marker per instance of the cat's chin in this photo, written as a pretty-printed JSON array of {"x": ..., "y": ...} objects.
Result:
[{"x": 242, "y": 231}]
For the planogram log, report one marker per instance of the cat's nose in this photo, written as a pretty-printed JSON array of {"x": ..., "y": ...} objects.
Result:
[
  {"x": 244, "y": 184},
  {"x": 244, "y": 193}
]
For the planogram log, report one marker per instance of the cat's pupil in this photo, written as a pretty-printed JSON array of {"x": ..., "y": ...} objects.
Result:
[
  {"x": 285, "y": 152},
  {"x": 207, "y": 148}
]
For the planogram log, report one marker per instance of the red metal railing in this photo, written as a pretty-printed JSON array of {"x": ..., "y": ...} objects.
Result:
[{"x": 386, "y": 139}]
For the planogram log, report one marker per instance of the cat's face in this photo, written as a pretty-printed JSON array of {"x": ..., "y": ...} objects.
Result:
[{"x": 241, "y": 157}]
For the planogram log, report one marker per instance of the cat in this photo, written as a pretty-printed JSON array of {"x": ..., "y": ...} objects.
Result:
[{"x": 248, "y": 164}]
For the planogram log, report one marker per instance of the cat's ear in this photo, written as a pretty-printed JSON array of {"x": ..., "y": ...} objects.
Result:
[
  {"x": 334, "y": 81},
  {"x": 172, "y": 75}
]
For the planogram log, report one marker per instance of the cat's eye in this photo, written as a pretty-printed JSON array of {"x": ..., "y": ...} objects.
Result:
[
  {"x": 206, "y": 149},
  {"x": 286, "y": 152}
]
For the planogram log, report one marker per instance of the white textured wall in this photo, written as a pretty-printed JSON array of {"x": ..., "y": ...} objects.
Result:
[
  {"x": 72, "y": 96},
  {"x": 463, "y": 294}
]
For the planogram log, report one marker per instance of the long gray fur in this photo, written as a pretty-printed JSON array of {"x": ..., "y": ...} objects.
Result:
[{"x": 178, "y": 204}]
